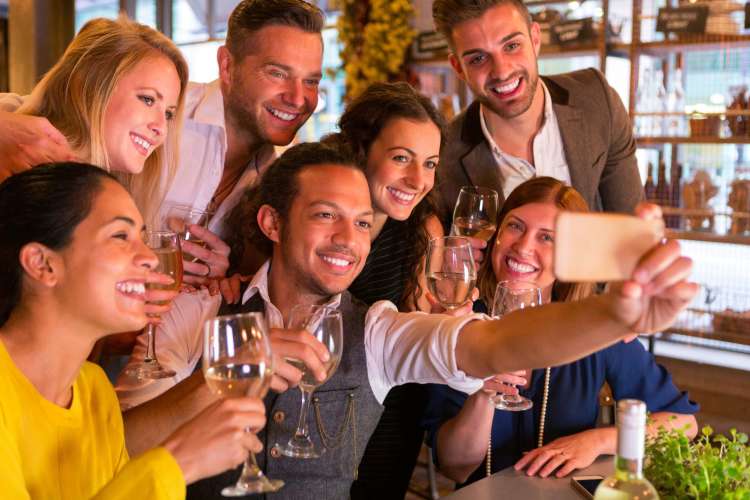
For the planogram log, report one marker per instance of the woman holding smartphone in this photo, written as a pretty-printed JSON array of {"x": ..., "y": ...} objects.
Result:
[{"x": 558, "y": 434}]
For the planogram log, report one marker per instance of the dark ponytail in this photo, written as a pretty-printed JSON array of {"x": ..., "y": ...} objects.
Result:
[{"x": 44, "y": 204}]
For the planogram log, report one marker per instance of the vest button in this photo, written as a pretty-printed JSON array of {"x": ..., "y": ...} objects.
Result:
[
  {"x": 279, "y": 416},
  {"x": 275, "y": 453}
]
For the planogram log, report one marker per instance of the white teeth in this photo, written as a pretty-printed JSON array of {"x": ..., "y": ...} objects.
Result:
[
  {"x": 141, "y": 142},
  {"x": 336, "y": 262},
  {"x": 133, "y": 287},
  {"x": 507, "y": 88},
  {"x": 280, "y": 114},
  {"x": 518, "y": 267},
  {"x": 401, "y": 195}
]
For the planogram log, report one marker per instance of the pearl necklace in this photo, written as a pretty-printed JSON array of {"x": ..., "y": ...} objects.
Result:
[{"x": 542, "y": 420}]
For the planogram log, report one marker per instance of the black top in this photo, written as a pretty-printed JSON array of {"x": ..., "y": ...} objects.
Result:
[
  {"x": 392, "y": 451},
  {"x": 387, "y": 267}
]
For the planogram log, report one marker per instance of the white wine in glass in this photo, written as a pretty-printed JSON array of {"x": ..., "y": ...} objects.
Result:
[
  {"x": 325, "y": 324},
  {"x": 450, "y": 271},
  {"x": 166, "y": 246},
  {"x": 512, "y": 296},
  {"x": 475, "y": 213},
  {"x": 179, "y": 217},
  {"x": 237, "y": 362}
]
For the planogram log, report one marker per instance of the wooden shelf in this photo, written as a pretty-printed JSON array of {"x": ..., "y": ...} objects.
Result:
[
  {"x": 709, "y": 237},
  {"x": 694, "y": 43},
  {"x": 589, "y": 49},
  {"x": 734, "y": 338},
  {"x": 650, "y": 141}
]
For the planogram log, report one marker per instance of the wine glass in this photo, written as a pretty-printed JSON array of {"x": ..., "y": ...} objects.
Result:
[
  {"x": 512, "y": 296},
  {"x": 475, "y": 213},
  {"x": 179, "y": 217},
  {"x": 237, "y": 361},
  {"x": 166, "y": 246},
  {"x": 450, "y": 270},
  {"x": 325, "y": 325}
]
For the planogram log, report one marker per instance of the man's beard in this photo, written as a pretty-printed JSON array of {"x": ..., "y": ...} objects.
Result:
[
  {"x": 242, "y": 119},
  {"x": 521, "y": 104}
]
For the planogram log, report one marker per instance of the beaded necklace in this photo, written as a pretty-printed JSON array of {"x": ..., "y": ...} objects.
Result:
[{"x": 542, "y": 419}]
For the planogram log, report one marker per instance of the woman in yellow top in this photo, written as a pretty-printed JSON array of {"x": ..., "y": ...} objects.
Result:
[{"x": 72, "y": 270}]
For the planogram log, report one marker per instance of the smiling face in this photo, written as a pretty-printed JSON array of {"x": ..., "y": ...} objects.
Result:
[
  {"x": 106, "y": 264},
  {"x": 326, "y": 234},
  {"x": 496, "y": 55},
  {"x": 272, "y": 91},
  {"x": 524, "y": 246},
  {"x": 401, "y": 166},
  {"x": 135, "y": 120}
]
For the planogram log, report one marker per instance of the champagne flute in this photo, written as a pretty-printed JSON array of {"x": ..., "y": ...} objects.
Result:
[
  {"x": 475, "y": 213},
  {"x": 166, "y": 246},
  {"x": 237, "y": 361},
  {"x": 450, "y": 270},
  {"x": 512, "y": 296},
  {"x": 179, "y": 217},
  {"x": 325, "y": 325}
]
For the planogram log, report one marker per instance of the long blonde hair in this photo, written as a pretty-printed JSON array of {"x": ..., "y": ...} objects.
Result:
[
  {"x": 75, "y": 93},
  {"x": 536, "y": 190}
]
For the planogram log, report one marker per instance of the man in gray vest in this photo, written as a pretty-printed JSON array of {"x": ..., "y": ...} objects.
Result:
[{"x": 312, "y": 216}]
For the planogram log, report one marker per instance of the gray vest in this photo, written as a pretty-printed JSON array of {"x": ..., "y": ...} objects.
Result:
[{"x": 343, "y": 415}]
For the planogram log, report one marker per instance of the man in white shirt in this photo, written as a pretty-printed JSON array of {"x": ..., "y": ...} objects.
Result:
[
  {"x": 269, "y": 71},
  {"x": 573, "y": 127},
  {"x": 312, "y": 217}
]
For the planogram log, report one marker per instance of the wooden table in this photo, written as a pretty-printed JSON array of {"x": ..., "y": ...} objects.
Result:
[{"x": 517, "y": 485}]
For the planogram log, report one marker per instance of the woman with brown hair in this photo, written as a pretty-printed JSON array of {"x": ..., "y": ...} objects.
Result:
[{"x": 558, "y": 434}]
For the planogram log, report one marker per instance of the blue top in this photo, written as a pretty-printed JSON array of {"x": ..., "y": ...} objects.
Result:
[{"x": 573, "y": 405}]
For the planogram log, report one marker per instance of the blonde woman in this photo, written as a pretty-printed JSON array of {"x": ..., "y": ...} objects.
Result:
[{"x": 116, "y": 96}]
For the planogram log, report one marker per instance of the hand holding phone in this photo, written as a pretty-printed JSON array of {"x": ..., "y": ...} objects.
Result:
[{"x": 592, "y": 247}]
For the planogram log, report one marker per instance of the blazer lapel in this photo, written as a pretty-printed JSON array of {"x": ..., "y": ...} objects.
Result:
[
  {"x": 574, "y": 130},
  {"x": 477, "y": 162}
]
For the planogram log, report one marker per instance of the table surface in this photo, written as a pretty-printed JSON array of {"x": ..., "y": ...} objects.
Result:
[{"x": 511, "y": 484}]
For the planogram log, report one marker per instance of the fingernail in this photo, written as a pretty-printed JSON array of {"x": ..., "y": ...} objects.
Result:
[
  {"x": 326, "y": 356},
  {"x": 641, "y": 276}
]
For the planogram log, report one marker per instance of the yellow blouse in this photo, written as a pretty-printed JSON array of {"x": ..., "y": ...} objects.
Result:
[{"x": 51, "y": 452}]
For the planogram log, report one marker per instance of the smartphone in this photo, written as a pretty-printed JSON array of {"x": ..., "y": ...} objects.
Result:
[
  {"x": 596, "y": 247},
  {"x": 586, "y": 485}
]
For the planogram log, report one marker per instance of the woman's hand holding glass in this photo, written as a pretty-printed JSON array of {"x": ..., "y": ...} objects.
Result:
[
  {"x": 237, "y": 362},
  {"x": 512, "y": 296}
]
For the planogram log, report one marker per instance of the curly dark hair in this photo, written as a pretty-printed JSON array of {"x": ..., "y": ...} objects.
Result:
[
  {"x": 278, "y": 187},
  {"x": 361, "y": 124}
]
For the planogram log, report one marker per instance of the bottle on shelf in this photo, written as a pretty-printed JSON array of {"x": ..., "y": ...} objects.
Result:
[
  {"x": 649, "y": 187},
  {"x": 662, "y": 193},
  {"x": 659, "y": 105},
  {"x": 643, "y": 103},
  {"x": 676, "y": 123},
  {"x": 675, "y": 195},
  {"x": 628, "y": 481}
]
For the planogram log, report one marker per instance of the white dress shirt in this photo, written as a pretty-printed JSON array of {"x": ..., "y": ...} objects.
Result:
[
  {"x": 548, "y": 149},
  {"x": 203, "y": 149},
  {"x": 399, "y": 347}
]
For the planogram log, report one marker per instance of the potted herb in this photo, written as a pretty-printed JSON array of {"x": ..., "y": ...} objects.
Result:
[{"x": 711, "y": 467}]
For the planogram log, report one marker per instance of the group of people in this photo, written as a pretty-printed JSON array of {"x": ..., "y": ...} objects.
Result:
[{"x": 115, "y": 134}]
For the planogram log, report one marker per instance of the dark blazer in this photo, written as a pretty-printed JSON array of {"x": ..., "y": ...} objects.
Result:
[{"x": 596, "y": 133}]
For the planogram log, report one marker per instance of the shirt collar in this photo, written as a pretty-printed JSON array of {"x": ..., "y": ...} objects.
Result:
[
  {"x": 259, "y": 285},
  {"x": 210, "y": 109},
  {"x": 548, "y": 112}
]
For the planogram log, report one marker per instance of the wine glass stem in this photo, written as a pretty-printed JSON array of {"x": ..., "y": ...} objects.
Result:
[
  {"x": 303, "y": 431},
  {"x": 250, "y": 470},
  {"x": 151, "y": 345}
]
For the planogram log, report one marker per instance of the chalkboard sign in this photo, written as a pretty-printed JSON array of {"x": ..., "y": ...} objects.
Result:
[
  {"x": 431, "y": 41},
  {"x": 687, "y": 19},
  {"x": 573, "y": 32}
]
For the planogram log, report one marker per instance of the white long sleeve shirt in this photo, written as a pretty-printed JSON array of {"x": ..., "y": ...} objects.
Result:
[{"x": 399, "y": 347}]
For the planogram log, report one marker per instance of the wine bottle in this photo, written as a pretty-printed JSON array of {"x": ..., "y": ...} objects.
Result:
[
  {"x": 650, "y": 187},
  {"x": 675, "y": 195},
  {"x": 662, "y": 192},
  {"x": 628, "y": 482}
]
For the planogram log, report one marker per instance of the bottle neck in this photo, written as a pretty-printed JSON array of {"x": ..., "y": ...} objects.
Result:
[{"x": 626, "y": 468}]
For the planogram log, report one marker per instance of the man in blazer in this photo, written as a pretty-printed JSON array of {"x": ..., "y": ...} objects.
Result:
[{"x": 573, "y": 127}]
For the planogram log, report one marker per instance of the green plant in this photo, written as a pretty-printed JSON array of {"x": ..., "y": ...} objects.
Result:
[{"x": 711, "y": 467}]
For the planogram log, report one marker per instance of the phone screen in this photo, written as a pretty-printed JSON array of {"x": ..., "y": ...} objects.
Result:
[{"x": 589, "y": 484}]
